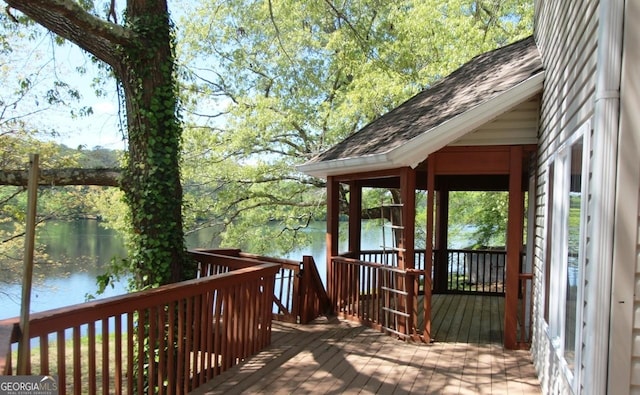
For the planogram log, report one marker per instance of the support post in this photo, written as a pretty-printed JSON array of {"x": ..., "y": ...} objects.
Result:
[
  {"x": 333, "y": 217},
  {"x": 515, "y": 226},
  {"x": 29, "y": 243},
  {"x": 428, "y": 255},
  {"x": 355, "y": 219},
  {"x": 408, "y": 196},
  {"x": 441, "y": 268},
  {"x": 407, "y": 245}
]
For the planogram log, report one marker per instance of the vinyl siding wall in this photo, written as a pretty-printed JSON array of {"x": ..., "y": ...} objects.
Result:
[
  {"x": 566, "y": 34},
  {"x": 626, "y": 279}
]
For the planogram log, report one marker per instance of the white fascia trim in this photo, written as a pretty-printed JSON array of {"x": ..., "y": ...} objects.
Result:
[
  {"x": 338, "y": 166},
  {"x": 413, "y": 152},
  {"x": 416, "y": 150}
]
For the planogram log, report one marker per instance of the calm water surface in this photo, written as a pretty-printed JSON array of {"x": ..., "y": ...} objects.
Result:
[{"x": 78, "y": 251}]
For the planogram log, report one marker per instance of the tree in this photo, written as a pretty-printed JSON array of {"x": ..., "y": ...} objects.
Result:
[
  {"x": 140, "y": 53},
  {"x": 481, "y": 217},
  {"x": 53, "y": 203},
  {"x": 274, "y": 83},
  {"x": 267, "y": 85}
]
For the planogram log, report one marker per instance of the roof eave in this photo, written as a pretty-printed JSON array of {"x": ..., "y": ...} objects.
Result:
[
  {"x": 416, "y": 150},
  {"x": 358, "y": 164},
  {"x": 413, "y": 152}
]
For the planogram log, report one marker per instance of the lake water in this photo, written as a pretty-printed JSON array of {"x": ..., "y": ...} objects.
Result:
[{"x": 78, "y": 251}]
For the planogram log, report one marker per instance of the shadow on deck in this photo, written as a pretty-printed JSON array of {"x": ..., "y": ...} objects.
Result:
[{"x": 332, "y": 356}]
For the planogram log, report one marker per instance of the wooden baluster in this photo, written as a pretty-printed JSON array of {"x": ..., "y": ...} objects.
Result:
[
  {"x": 106, "y": 372},
  {"x": 117, "y": 377},
  {"x": 181, "y": 349},
  {"x": 44, "y": 355},
  {"x": 140, "y": 351},
  {"x": 197, "y": 346},
  {"x": 62, "y": 361},
  {"x": 205, "y": 328},
  {"x": 77, "y": 361},
  {"x": 217, "y": 332},
  {"x": 172, "y": 343},
  {"x": 211, "y": 337},
  {"x": 130, "y": 352},
  {"x": 92, "y": 356},
  {"x": 161, "y": 347},
  {"x": 152, "y": 336}
]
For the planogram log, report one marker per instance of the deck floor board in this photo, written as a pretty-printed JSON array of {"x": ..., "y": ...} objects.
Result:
[{"x": 333, "y": 356}]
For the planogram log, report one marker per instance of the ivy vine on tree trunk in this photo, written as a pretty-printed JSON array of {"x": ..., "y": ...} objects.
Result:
[
  {"x": 152, "y": 179},
  {"x": 141, "y": 54}
]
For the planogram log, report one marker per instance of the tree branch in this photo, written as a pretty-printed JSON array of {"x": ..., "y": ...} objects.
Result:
[
  {"x": 278, "y": 35},
  {"x": 61, "y": 177},
  {"x": 69, "y": 20}
]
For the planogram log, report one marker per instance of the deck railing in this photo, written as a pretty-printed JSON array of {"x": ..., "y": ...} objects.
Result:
[
  {"x": 299, "y": 295},
  {"x": 476, "y": 271},
  {"x": 167, "y": 340},
  {"x": 465, "y": 271},
  {"x": 359, "y": 287},
  {"x": 390, "y": 257},
  {"x": 381, "y": 296}
]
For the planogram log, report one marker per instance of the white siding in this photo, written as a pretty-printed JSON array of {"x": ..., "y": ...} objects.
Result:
[
  {"x": 517, "y": 126},
  {"x": 626, "y": 283},
  {"x": 566, "y": 34}
]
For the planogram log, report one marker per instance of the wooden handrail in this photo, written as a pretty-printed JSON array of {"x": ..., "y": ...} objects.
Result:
[
  {"x": 380, "y": 266},
  {"x": 62, "y": 318},
  {"x": 381, "y": 296},
  {"x": 299, "y": 295},
  {"x": 177, "y": 335},
  {"x": 240, "y": 255}
]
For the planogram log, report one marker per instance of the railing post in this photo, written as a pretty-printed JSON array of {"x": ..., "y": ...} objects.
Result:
[
  {"x": 410, "y": 278},
  {"x": 304, "y": 293},
  {"x": 6, "y": 338},
  {"x": 298, "y": 301}
]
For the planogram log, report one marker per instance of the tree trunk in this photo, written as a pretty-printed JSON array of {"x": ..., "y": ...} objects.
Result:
[
  {"x": 152, "y": 178},
  {"x": 141, "y": 54}
]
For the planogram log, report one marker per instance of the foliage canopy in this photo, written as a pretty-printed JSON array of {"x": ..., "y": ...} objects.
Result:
[
  {"x": 271, "y": 84},
  {"x": 264, "y": 86}
]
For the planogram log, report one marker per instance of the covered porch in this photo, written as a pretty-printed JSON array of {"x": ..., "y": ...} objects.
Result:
[
  {"x": 475, "y": 130},
  {"x": 393, "y": 289}
]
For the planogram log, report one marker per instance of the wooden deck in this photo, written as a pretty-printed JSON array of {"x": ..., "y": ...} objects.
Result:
[{"x": 332, "y": 356}]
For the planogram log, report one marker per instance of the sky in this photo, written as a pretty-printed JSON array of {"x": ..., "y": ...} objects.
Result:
[
  {"x": 99, "y": 129},
  {"x": 33, "y": 64},
  {"x": 102, "y": 127}
]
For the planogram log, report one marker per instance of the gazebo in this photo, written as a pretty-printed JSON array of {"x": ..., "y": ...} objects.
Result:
[{"x": 475, "y": 130}]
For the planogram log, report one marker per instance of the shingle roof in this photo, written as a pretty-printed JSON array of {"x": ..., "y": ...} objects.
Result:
[{"x": 482, "y": 79}]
